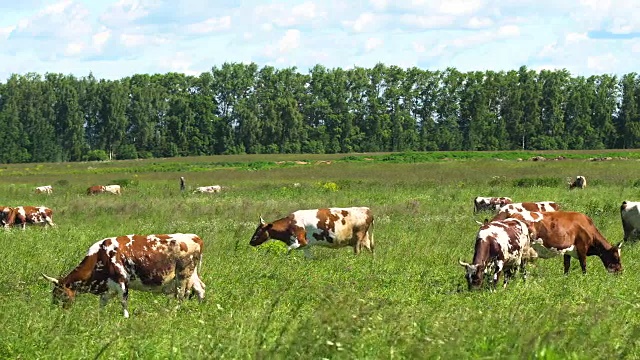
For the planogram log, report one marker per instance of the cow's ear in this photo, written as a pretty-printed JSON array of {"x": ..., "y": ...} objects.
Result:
[{"x": 486, "y": 221}]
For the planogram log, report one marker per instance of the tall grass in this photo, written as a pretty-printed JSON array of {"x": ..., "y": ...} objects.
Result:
[{"x": 409, "y": 301}]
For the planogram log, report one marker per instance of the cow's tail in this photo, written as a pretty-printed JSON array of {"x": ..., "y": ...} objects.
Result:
[{"x": 370, "y": 233}]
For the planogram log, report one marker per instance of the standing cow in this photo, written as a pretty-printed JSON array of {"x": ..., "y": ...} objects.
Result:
[
  {"x": 113, "y": 189},
  {"x": 571, "y": 234},
  {"x": 630, "y": 215},
  {"x": 489, "y": 203},
  {"x": 166, "y": 263},
  {"x": 208, "y": 189},
  {"x": 579, "y": 183},
  {"x": 47, "y": 189},
  {"x": 23, "y": 215},
  {"x": 526, "y": 207},
  {"x": 328, "y": 227},
  {"x": 501, "y": 245}
]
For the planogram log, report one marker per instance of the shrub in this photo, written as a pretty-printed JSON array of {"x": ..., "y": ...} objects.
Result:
[
  {"x": 97, "y": 155},
  {"x": 538, "y": 182},
  {"x": 329, "y": 186}
]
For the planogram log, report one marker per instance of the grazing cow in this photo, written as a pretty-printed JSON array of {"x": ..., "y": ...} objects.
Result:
[
  {"x": 23, "y": 215},
  {"x": 489, "y": 203},
  {"x": 630, "y": 214},
  {"x": 525, "y": 207},
  {"x": 571, "y": 234},
  {"x": 328, "y": 227},
  {"x": 580, "y": 182},
  {"x": 166, "y": 263},
  {"x": 182, "y": 183},
  {"x": 208, "y": 189},
  {"x": 96, "y": 189},
  {"x": 5, "y": 211},
  {"x": 501, "y": 245},
  {"x": 113, "y": 189},
  {"x": 47, "y": 189}
]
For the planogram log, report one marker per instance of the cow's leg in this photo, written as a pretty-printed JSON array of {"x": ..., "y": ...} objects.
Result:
[
  {"x": 498, "y": 266},
  {"x": 567, "y": 263},
  {"x": 628, "y": 231},
  {"x": 523, "y": 269},
  {"x": 582, "y": 258},
  {"x": 196, "y": 285},
  {"x": 104, "y": 298}
]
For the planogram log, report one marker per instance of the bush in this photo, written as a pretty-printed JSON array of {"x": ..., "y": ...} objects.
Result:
[
  {"x": 538, "y": 182},
  {"x": 97, "y": 155},
  {"x": 124, "y": 182},
  {"x": 126, "y": 152}
]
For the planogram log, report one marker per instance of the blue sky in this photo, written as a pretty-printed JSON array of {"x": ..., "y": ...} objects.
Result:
[{"x": 114, "y": 39}]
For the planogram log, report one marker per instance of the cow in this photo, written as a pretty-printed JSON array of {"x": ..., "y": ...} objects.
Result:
[
  {"x": 47, "y": 189},
  {"x": 630, "y": 215},
  {"x": 489, "y": 203},
  {"x": 501, "y": 246},
  {"x": 327, "y": 227},
  {"x": 113, "y": 189},
  {"x": 580, "y": 182},
  {"x": 23, "y": 215},
  {"x": 164, "y": 263},
  {"x": 208, "y": 189},
  {"x": 541, "y": 206},
  {"x": 96, "y": 189},
  {"x": 571, "y": 234},
  {"x": 5, "y": 211}
]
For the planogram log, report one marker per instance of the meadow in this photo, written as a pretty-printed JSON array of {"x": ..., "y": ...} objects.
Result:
[{"x": 408, "y": 301}]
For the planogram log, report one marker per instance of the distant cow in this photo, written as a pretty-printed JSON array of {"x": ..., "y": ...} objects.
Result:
[
  {"x": 23, "y": 215},
  {"x": 630, "y": 215},
  {"x": 5, "y": 211},
  {"x": 328, "y": 227},
  {"x": 166, "y": 263},
  {"x": 489, "y": 203},
  {"x": 113, "y": 189},
  {"x": 510, "y": 209},
  {"x": 47, "y": 189},
  {"x": 580, "y": 182},
  {"x": 501, "y": 245},
  {"x": 571, "y": 234},
  {"x": 208, "y": 189},
  {"x": 99, "y": 189}
]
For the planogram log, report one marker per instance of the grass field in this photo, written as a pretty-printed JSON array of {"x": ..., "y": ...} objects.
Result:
[{"x": 409, "y": 301}]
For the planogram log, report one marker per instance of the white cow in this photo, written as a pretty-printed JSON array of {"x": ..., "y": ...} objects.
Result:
[
  {"x": 113, "y": 189},
  {"x": 47, "y": 189},
  {"x": 580, "y": 182},
  {"x": 630, "y": 215},
  {"x": 208, "y": 189}
]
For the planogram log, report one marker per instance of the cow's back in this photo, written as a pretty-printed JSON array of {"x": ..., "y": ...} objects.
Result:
[{"x": 339, "y": 223}]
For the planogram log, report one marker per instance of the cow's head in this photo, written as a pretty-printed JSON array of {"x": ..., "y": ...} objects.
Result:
[
  {"x": 261, "y": 234},
  {"x": 61, "y": 294},
  {"x": 611, "y": 259},
  {"x": 474, "y": 274}
]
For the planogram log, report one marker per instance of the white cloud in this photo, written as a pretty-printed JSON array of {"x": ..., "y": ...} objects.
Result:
[
  {"x": 379, "y": 4},
  {"x": 210, "y": 25},
  {"x": 373, "y": 43},
  {"x": 602, "y": 63},
  {"x": 364, "y": 22},
  {"x": 575, "y": 37},
  {"x": 479, "y": 22},
  {"x": 126, "y": 11},
  {"x": 73, "y": 49},
  {"x": 100, "y": 38},
  {"x": 290, "y": 40},
  {"x": 427, "y": 21},
  {"x": 287, "y": 16},
  {"x": 6, "y": 31}
]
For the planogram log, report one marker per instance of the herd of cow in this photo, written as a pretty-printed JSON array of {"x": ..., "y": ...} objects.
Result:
[
  {"x": 522, "y": 232},
  {"x": 169, "y": 263}
]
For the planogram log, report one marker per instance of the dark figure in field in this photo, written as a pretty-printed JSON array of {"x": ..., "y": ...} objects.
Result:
[{"x": 182, "y": 186}]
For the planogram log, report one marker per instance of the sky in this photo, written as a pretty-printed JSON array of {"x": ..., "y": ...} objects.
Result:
[{"x": 115, "y": 39}]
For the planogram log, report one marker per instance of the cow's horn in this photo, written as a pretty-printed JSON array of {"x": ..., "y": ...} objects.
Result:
[
  {"x": 261, "y": 220},
  {"x": 620, "y": 244},
  {"x": 463, "y": 263},
  {"x": 53, "y": 280}
]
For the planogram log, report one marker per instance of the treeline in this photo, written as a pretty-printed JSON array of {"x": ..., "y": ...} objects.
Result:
[{"x": 241, "y": 108}]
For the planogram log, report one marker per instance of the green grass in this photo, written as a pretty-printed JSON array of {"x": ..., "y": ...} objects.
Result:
[{"x": 409, "y": 301}]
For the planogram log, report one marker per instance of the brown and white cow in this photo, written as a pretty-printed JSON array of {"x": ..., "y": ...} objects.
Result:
[
  {"x": 580, "y": 183},
  {"x": 47, "y": 189},
  {"x": 501, "y": 246},
  {"x": 525, "y": 207},
  {"x": 23, "y": 215},
  {"x": 489, "y": 203},
  {"x": 571, "y": 234},
  {"x": 327, "y": 227},
  {"x": 99, "y": 189},
  {"x": 208, "y": 189},
  {"x": 96, "y": 189},
  {"x": 5, "y": 211},
  {"x": 165, "y": 263},
  {"x": 630, "y": 215}
]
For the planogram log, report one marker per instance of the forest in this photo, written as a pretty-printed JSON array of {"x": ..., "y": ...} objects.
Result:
[{"x": 239, "y": 108}]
